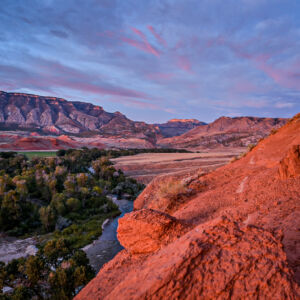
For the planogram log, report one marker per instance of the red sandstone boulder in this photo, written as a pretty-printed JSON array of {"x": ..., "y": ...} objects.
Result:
[
  {"x": 146, "y": 230},
  {"x": 167, "y": 192},
  {"x": 221, "y": 260},
  {"x": 290, "y": 165}
]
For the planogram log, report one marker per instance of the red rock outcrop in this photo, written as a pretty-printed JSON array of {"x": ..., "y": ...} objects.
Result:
[
  {"x": 221, "y": 260},
  {"x": 147, "y": 230},
  {"x": 242, "y": 242},
  {"x": 170, "y": 191},
  {"x": 290, "y": 165}
]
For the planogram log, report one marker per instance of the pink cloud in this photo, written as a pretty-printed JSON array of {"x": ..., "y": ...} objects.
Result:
[
  {"x": 243, "y": 86},
  {"x": 54, "y": 74},
  {"x": 178, "y": 45},
  {"x": 135, "y": 103},
  {"x": 136, "y": 44},
  {"x": 143, "y": 45},
  {"x": 157, "y": 36},
  {"x": 160, "y": 76},
  {"x": 284, "y": 77},
  {"x": 145, "y": 41},
  {"x": 184, "y": 63},
  {"x": 44, "y": 81}
]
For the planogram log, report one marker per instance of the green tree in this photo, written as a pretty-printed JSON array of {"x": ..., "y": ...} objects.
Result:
[
  {"x": 21, "y": 188},
  {"x": 56, "y": 249},
  {"x": 70, "y": 185},
  {"x": 21, "y": 293},
  {"x": 60, "y": 285},
  {"x": 82, "y": 179},
  {"x": 58, "y": 202},
  {"x": 34, "y": 267},
  {"x": 47, "y": 217},
  {"x": 73, "y": 204},
  {"x": 52, "y": 185},
  {"x": 85, "y": 193},
  {"x": 61, "y": 152},
  {"x": 5, "y": 182},
  {"x": 97, "y": 190},
  {"x": 11, "y": 210},
  {"x": 3, "y": 275}
]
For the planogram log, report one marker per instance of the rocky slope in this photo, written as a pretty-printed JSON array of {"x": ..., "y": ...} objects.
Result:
[
  {"x": 229, "y": 234},
  {"x": 58, "y": 116},
  {"x": 177, "y": 127},
  {"x": 225, "y": 132}
]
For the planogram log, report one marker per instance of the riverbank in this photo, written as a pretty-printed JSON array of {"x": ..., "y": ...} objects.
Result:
[
  {"x": 99, "y": 251},
  {"x": 107, "y": 245},
  {"x": 13, "y": 248}
]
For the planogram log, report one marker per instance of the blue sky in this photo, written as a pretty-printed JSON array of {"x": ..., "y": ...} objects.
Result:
[{"x": 154, "y": 60}]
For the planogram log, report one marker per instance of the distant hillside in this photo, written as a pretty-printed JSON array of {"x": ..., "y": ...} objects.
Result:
[
  {"x": 177, "y": 127},
  {"x": 58, "y": 116},
  {"x": 225, "y": 131},
  {"x": 26, "y": 121}
]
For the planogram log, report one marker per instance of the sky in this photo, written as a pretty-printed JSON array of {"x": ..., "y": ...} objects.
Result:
[{"x": 154, "y": 60}]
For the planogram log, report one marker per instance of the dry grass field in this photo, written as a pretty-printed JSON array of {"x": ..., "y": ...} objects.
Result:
[{"x": 144, "y": 167}]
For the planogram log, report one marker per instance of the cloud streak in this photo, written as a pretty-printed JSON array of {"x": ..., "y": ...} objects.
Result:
[
  {"x": 160, "y": 40},
  {"x": 190, "y": 60},
  {"x": 145, "y": 41}
]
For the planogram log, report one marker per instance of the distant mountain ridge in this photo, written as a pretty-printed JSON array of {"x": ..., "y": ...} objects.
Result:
[
  {"x": 27, "y": 120},
  {"x": 59, "y": 116},
  {"x": 177, "y": 127},
  {"x": 227, "y": 132}
]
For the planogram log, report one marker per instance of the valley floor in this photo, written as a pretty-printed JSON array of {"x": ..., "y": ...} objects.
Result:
[{"x": 144, "y": 167}]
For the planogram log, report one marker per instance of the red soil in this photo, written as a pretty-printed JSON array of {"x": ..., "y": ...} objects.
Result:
[
  {"x": 34, "y": 134},
  {"x": 36, "y": 143}
]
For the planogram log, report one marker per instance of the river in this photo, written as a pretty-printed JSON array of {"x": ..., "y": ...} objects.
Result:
[
  {"x": 107, "y": 246},
  {"x": 99, "y": 252}
]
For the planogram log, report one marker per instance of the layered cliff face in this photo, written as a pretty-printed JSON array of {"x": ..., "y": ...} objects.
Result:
[
  {"x": 58, "y": 116},
  {"x": 225, "y": 132},
  {"x": 176, "y": 127},
  {"x": 231, "y": 234}
]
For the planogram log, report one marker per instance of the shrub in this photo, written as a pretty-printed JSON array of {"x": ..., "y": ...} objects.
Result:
[
  {"x": 235, "y": 158},
  {"x": 61, "y": 152},
  {"x": 251, "y": 147},
  {"x": 273, "y": 131},
  {"x": 47, "y": 217},
  {"x": 172, "y": 189},
  {"x": 73, "y": 204}
]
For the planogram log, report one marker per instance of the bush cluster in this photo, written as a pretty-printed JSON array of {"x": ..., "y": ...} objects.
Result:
[
  {"x": 64, "y": 200},
  {"x": 57, "y": 272},
  {"x": 38, "y": 191}
]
